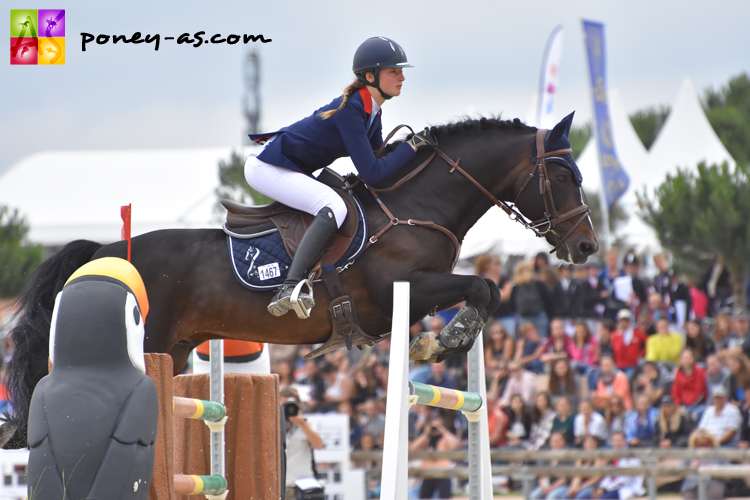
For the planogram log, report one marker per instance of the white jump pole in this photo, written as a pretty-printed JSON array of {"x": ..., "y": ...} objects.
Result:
[
  {"x": 395, "y": 448},
  {"x": 393, "y": 483}
]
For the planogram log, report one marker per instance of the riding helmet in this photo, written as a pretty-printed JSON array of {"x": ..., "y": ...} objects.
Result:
[{"x": 375, "y": 53}]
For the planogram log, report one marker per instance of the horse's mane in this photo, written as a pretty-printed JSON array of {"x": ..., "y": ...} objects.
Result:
[{"x": 468, "y": 125}]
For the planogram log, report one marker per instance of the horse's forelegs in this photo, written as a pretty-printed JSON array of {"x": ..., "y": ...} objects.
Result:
[{"x": 481, "y": 296}]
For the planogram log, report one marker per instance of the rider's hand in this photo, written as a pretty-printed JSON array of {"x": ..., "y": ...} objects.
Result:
[{"x": 421, "y": 139}]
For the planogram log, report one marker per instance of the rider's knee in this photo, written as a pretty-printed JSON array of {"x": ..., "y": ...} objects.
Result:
[{"x": 338, "y": 207}]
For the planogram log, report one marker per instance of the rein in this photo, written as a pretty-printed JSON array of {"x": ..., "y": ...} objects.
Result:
[{"x": 540, "y": 226}]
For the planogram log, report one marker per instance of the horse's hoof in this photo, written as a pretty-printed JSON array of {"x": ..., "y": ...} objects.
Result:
[{"x": 424, "y": 347}]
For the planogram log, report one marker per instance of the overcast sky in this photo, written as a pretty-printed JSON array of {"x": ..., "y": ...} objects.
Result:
[{"x": 471, "y": 57}]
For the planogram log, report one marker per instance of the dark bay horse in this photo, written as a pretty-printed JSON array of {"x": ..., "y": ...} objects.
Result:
[{"x": 195, "y": 297}]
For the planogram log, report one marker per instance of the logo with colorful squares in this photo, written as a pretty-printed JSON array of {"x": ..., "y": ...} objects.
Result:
[{"x": 37, "y": 36}]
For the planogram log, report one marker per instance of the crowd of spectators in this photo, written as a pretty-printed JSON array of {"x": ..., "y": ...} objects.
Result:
[{"x": 599, "y": 355}]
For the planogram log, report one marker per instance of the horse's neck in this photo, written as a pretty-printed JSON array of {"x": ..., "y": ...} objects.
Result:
[{"x": 452, "y": 200}]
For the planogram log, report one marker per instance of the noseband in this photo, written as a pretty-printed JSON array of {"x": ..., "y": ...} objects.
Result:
[{"x": 540, "y": 227}]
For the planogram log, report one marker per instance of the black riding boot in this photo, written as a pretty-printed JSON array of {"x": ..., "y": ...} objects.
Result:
[{"x": 309, "y": 252}]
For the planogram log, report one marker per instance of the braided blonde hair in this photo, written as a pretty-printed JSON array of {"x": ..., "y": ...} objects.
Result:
[{"x": 351, "y": 89}]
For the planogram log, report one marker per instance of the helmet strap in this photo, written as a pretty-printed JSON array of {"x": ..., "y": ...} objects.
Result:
[{"x": 375, "y": 73}]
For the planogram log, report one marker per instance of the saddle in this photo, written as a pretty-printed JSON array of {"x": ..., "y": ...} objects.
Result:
[{"x": 247, "y": 222}]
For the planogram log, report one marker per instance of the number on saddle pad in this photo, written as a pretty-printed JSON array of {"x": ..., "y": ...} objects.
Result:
[{"x": 269, "y": 271}]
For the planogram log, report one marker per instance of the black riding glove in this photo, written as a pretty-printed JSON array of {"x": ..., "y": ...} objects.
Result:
[{"x": 423, "y": 138}]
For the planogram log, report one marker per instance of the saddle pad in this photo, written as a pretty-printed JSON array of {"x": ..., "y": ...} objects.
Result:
[{"x": 262, "y": 263}]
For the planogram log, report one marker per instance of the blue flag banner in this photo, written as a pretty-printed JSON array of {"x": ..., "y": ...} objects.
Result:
[{"x": 615, "y": 180}]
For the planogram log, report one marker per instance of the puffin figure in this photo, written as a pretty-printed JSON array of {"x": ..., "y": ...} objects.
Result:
[{"x": 93, "y": 419}]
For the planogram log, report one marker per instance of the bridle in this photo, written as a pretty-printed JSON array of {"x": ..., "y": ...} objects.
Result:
[
  {"x": 551, "y": 216},
  {"x": 540, "y": 227}
]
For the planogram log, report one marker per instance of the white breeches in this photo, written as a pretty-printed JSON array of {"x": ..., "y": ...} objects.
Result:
[{"x": 293, "y": 188}]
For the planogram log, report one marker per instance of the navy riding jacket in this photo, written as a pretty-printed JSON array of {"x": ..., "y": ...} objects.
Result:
[{"x": 313, "y": 142}]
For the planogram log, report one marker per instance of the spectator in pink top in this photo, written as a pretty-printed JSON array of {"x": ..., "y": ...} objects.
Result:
[
  {"x": 584, "y": 350},
  {"x": 558, "y": 345},
  {"x": 521, "y": 382}
]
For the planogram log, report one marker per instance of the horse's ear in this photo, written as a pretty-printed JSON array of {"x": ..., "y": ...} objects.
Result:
[{"x": 561, "y": 130}]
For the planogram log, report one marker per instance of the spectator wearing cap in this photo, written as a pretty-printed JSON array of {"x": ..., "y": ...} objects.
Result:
[
  {"x": 665, "y": 346},
  {"x": 722, "y": 419},
  {"x": 673, "y": 427},
  {"x": 628, "y": 343},
  {"x": 689, "y": 385}
]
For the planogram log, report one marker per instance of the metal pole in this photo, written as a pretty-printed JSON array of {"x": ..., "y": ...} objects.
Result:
[
  {"x": 216, "y": 357},
  {"x": 703, "y": 486}
]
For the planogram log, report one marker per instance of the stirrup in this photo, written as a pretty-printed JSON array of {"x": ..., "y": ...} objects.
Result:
[{"x": 299, "y": 307}]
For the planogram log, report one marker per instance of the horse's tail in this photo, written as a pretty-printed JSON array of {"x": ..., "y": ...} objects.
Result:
[{"x": 30, "y": 336}]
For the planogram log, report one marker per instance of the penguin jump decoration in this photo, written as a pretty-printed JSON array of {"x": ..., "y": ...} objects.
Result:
[{"x": 93, "y": 419}]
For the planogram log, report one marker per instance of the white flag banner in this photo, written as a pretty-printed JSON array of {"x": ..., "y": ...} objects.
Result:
[{"x": 549, "y": 78}]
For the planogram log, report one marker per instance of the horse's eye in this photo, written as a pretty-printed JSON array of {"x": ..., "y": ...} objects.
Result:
[{"x": 561, "y": 178}]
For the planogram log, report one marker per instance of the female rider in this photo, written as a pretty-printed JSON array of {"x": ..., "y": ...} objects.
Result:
[{"x": 349, "y": 126}]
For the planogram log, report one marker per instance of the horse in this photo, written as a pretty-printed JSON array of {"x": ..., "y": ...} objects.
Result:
[{"x": 195, "y": 297}]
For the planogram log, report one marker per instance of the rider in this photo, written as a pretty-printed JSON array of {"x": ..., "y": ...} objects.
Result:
[{"x": 349, "y": 126}]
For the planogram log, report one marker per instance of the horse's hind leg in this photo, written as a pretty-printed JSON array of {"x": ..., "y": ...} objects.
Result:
[{"x": 430, "y": 289}]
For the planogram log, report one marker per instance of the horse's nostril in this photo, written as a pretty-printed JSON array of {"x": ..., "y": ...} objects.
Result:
[{"x": 586, "y": 248}]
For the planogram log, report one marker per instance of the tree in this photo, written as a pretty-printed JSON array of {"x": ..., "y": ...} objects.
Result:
[
  {"x": 701, "y": 216},
  {"x": 578, "y": 138},
  {"x": 18, "y": 259},
  {"x": 648, "y": 123},
  {"x": 618, "y": 217},
  {"x": 728, "y": 110},
  {"x": 233, "y": 185}
]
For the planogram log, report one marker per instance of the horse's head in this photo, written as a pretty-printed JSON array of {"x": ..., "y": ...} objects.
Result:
[{"x": 551, "y": 196}]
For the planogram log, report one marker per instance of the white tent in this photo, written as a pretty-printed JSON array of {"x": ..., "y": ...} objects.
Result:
[
  {"x": 686, "y": 139},
  {"x": 634, "y": 160},
  {"x": 67, "y": 195}
]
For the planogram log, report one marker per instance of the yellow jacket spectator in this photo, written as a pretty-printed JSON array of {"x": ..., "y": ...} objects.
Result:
[{"x": 664, "y": 345}]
